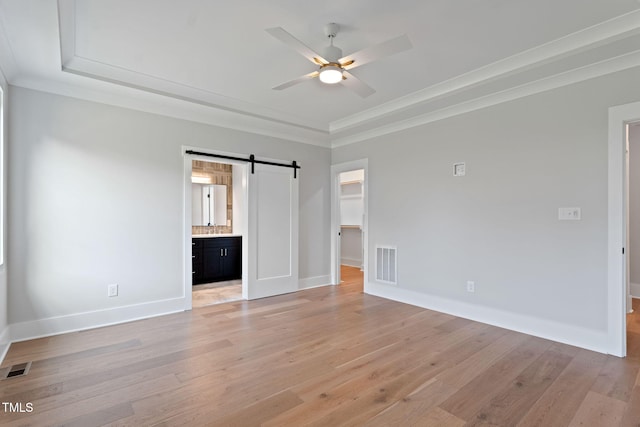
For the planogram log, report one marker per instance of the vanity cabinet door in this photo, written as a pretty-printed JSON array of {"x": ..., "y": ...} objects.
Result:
[
  {"x": 196, "y": 261},
  {"x": 213, "y": 263},
  {"x": 232, "y": 268}
]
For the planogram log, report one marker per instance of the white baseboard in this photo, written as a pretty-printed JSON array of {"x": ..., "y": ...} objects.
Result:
[
  {"x": 314, "y": 282},
  {"x": 560, "y": 332},
  {"x": 23, "y": 331},
  {"x": 5, "y": 342},
  {"x": 635, "y": 290},
  {"x": 351, "y": 262}
]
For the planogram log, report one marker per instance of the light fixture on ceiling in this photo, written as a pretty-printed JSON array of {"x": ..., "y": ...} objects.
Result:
[
  {"x": 201, "y": 180},
  {"x": 330, "y": 74},
  {"x": 333, "y": 66}
]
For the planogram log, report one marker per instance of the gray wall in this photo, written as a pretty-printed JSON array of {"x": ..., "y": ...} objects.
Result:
[
  {"x": 96, "y": 197},
  {"x": 4, "y": 331},
  {"x": 498, "y": 225}
]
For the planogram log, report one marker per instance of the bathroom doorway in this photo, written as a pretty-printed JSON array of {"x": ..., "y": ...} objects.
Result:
[{"x": 216, "y": 232}]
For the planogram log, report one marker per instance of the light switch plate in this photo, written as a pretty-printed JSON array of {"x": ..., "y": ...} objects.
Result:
[
  {"x": 112, "y": 290},
  {"x": 569, "y": 214},
  {"x": 459, "y": 169}
]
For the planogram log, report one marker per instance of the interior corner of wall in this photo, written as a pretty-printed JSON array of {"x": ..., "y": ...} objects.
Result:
[
  {"x": 5, "y": 343},
  {"x": 314, "y": 282}
]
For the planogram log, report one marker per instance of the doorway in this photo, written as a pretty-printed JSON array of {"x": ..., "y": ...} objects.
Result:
[
  {"x": 216, "y": 231},
  {"x": 617, "y": 294},
  {"x": 264, "y": 220},
  {"x": 632, "y": 222},
  {"x": 349, "y": 220}
]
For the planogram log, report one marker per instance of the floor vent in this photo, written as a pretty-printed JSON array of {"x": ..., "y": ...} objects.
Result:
[
  {"x": 19, "y": 370},
  {"x": 386, "y": 263}
]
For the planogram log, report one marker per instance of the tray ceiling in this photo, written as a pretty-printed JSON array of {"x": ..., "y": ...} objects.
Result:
[{"x": 216, "y": 56}]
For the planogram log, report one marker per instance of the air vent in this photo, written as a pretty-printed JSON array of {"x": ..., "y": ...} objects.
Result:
[
  {"x": 386, "y": 263},
  {"x": 19, "y": 370}
]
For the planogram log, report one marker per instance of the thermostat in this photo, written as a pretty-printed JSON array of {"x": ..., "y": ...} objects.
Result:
[{"x": 459, "y": 169}]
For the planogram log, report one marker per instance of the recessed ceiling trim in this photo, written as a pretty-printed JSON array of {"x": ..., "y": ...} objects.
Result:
[
  {"x": 8, "y": 64},
  {"x": 67, "y": 30},
  {"x": 74, "y": 63},
  {"x": 605, "y": 32},
  {"x": 587, "y": 72},
  {"x": 123, "y": 77}
]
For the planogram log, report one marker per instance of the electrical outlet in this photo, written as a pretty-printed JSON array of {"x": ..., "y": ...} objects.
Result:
[
  {"x": 112, "y": 290},
  {"x": 471, "y": 286}
]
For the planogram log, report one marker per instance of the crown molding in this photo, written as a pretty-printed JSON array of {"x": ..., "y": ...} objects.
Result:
[
  {"x": 145, "y": 101},
  {"x": 587, "y": 72},
  {"x": 605, "y": 32}
]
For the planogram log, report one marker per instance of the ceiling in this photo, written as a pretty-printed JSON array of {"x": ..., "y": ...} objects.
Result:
[{"x": 213, "y": 61}]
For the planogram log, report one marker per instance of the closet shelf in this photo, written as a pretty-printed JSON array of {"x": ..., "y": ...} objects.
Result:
[{"x": 354, "y": 227}]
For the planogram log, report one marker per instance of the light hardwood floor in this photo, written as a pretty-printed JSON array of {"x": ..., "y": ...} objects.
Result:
[{"x": 327, "y": 356}]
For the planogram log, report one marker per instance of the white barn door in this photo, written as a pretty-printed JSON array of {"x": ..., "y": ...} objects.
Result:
[{"x": 273, "y": 231}]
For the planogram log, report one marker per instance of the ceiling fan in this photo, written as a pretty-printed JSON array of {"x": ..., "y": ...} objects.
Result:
[{"x": 333, "y": 67}]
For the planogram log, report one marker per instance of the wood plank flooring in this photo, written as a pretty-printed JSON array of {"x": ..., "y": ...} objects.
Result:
[{"x": 328, "y": 356}]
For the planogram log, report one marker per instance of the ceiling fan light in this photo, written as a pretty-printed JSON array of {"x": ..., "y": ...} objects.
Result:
[{"x": 330, "y": 74}]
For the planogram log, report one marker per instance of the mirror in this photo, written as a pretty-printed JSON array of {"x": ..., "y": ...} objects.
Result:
[{"x": 208, "y": 204}]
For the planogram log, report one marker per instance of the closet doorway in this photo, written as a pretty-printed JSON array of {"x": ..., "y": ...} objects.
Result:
[
  {"x": 632, "y": 255},
  {"x": 349, "y": 220}
]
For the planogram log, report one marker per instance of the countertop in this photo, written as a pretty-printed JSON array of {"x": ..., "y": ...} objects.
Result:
[{"x": 209, "y": 236}]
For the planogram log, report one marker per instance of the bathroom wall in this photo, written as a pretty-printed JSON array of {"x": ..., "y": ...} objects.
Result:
[{"x": 218, "y": 174}]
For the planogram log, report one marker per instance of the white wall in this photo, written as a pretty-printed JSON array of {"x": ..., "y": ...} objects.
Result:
[
  {"x": 351, "y": 247},
  {"x": 351, "y": 204},
  {"x": 96, "y": 197},
  {"x": 4, "y": 330},
  {"x": 498, "y": 225},
  {"x": 634, "y": 208}
]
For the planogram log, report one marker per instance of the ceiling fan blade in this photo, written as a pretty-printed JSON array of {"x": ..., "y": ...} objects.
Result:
[
  {"x": 390, "y": 47},
  {"x": 296, "y": 45},
  {"x": 357, "y": 85},
  {"x": 298, "y": 80}
]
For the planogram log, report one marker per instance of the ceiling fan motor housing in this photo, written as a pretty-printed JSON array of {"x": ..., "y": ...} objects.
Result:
[
  {"x": 332, "y": 53},
  {"x": 331, "y": 29}
]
